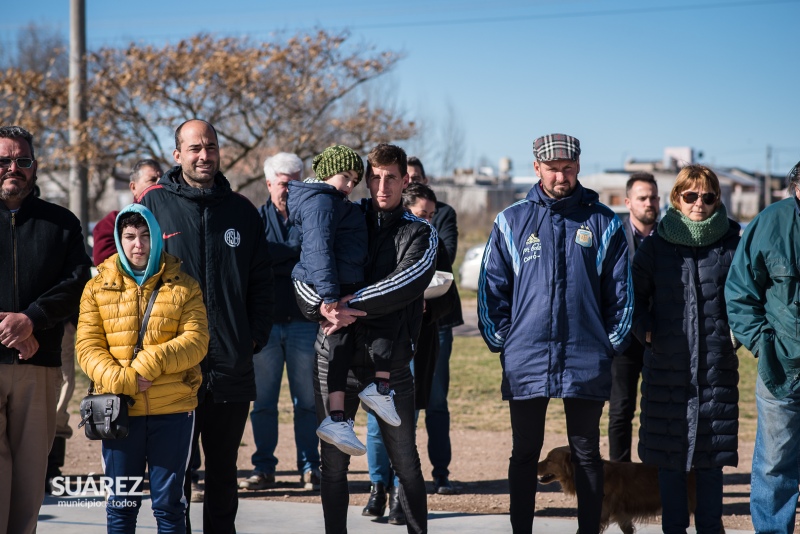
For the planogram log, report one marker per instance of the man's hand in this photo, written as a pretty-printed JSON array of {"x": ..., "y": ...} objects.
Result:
[
  {"x": 27, "y": 348},
  {"x": 340, "y": 316},
  {"x": 144, "y": 384},
  {"x": 14, "y": 328}
]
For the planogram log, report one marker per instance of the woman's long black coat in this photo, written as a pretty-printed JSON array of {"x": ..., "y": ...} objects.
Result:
[{"x": 689, "y": 381}]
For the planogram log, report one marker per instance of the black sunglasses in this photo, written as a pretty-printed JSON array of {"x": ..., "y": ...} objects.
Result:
[
  {"x": 690, "y": 197},
  {"x": 22, "y": 163}
]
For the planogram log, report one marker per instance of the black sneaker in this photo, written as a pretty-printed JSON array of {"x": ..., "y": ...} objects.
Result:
[
  {"x": 443, "y": 486},
  {"x": 258, "y": 481},
  {"x": 310, "y": 480},
  {"x": 376, "y": 505}
]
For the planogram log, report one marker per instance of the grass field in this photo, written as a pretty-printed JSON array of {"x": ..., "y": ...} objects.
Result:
[{"x": 475, "y": 401}]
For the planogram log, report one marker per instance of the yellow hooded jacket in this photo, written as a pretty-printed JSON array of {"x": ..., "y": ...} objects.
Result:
[{"x": 175, "y": 341}]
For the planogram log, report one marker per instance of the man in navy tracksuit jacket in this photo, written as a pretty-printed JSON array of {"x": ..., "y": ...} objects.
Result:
[{"x": 555, "y": 300}]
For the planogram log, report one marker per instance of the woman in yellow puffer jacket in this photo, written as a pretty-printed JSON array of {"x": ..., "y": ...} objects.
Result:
[{"x": 162, "y": 379}]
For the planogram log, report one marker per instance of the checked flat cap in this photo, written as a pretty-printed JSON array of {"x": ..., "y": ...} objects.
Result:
[{"x": 556, "y": 146}]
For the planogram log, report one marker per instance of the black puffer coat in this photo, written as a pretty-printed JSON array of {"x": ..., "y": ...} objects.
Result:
[{"x": 689, "y": 381}]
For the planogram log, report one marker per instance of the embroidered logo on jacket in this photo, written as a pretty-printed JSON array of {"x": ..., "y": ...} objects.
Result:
[
  {"x": 232, "y": 238},
  {"x": 533, "y": 249},
  {"x": 165, "y": 235}
]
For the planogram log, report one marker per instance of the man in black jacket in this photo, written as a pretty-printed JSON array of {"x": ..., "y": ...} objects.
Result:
[
  {"x": 401, "y": 262},
  {"x": 44, "y": 267},
  {"x": 220, "y": 238},
  {"x": 437, "y": 414},
  {"x": 641, "y": 199}
]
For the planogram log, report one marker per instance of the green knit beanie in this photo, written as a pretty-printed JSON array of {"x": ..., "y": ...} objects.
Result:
[{"x": 337, "y": 159}]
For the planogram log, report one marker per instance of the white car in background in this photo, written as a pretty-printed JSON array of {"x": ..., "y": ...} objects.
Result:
[{"x": 471, "y": 267}]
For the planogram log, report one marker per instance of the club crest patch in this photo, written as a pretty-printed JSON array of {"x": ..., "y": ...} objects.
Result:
[
  {"x": 232, "y": 238},
  {"x": 583, "y": 236}
]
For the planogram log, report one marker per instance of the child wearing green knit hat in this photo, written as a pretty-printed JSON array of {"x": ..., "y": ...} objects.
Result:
[{"x": 332, "y": 259}]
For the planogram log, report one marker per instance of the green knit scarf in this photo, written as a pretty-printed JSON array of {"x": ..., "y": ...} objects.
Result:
[{"x": 677, "y": 228}]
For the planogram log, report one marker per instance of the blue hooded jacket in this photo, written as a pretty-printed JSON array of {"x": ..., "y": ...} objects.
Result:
[
  {"x": 555, "y": 296},
  {"x": 334, "y": 249},
  {"x": 156, "y": 243}
]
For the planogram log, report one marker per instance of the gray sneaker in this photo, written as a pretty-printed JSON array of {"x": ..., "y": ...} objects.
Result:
[
  {"x": 341, "y": 435},
  {"x": 258, "y": 481},
  {"x": 310, "y": 479},
  {"x": 382, "y": 405}
]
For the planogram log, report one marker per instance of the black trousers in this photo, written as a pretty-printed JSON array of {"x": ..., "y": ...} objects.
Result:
[
  {"x": 221, "y": 425},
  {"x": 626, "y": 369},
  {"x": 400, "y": 444},
  {"x": 380, "y": 334},
  {"x": 583, "y": 434}
]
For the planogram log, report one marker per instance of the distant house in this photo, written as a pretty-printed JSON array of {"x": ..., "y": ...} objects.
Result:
[{"x": 741, "y": 191}]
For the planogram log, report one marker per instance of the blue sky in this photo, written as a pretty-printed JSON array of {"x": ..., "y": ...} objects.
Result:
[{"x": 627, "y": 78}]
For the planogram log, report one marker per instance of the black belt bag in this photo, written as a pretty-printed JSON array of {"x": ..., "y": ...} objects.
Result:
[{"x": 105, "y": 416}]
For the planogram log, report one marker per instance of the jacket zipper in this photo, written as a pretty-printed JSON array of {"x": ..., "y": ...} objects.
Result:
[
  {"x": 15, "y": 298},
  {"x": 141, "y": 319},
  {"x": 15, "y": 302},
  {"x": 204, "y": 283}
]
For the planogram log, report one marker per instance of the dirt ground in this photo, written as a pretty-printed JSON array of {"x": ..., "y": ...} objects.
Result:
[{"x": 479, "y": 469}]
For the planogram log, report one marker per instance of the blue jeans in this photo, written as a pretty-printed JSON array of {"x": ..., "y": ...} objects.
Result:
[
  {"x": 291, "y": 344},
  {"x": 674, "y": 501},
  {"x": 437, "y": 415},
  {"x": 775, "y": 473},
  {"x": 400, "y": 443},
  {"x": 163, "y": 444}
]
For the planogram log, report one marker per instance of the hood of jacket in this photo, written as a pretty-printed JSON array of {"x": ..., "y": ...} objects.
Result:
[
  {"x": 156, "y": 243},
  {"x": 580, "y": 196},
  {"x": 305, "y": 191},
  {"x": 173, "y": 181}
]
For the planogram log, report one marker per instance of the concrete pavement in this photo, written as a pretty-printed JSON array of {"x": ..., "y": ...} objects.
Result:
[{"x": 275, "y": 517}]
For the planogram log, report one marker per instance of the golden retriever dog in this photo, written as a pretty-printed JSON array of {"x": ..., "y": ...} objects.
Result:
[{"x": 630, "y": 490}]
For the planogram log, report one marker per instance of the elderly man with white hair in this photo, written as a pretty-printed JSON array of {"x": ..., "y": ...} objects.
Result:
[{"x": 291, "y": 342}]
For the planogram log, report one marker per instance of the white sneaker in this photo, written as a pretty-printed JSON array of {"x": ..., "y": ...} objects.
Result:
[
  {"x": 382, "y": 405},
  {"x": 341, "y": 435}
]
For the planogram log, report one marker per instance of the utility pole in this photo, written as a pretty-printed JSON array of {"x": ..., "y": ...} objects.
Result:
[
  {"x": 768, "y": 179},
  {"x": 78, "y": 173}
]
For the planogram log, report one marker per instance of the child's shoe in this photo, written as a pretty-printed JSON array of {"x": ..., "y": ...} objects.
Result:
[
  {"x": 341, "y": 435},
  {"x": 382, "y": 405}
]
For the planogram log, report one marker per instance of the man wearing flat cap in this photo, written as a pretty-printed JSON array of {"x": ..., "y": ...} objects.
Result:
[{"x": 556, "y": 301}]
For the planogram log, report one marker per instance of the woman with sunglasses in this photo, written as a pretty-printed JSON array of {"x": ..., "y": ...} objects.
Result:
[{"x": 689, "y": 418}]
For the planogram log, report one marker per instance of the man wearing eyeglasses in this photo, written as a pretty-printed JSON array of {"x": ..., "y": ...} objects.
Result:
[
  {"x": 556, "y": 301},
  {"x": 44, "y": 267}
]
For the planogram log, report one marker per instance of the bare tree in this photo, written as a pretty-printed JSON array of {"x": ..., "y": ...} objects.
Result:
[
  {"x": 289, "y": 94},
  {"x": 451, "y": 140}
]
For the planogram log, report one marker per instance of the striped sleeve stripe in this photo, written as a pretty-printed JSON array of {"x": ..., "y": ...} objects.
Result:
[
  {"x": 613, "y": 227},
  {"x": 406, "y": 276},
  {"x": 307, "y": 293},
  {"x": 508, "y": 236},
  {"x": 489, "y": 328},
  {"x": 624, "y": 325}
]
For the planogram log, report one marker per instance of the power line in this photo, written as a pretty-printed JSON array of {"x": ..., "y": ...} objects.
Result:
[
  {"x": 577, "y": 14},
  {"x": 467, "y": 21}
]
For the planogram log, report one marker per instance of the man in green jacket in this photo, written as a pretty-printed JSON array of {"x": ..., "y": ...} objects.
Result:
[{"x": 763, "y": 298}]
